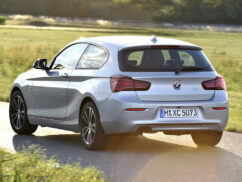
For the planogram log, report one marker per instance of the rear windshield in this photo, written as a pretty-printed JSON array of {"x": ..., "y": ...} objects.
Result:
[{"x": 156, "y": 60}]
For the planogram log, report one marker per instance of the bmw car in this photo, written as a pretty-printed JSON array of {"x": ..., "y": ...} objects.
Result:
[{"x": 109, "y": 85}]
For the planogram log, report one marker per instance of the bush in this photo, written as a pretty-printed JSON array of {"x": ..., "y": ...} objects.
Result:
[
  {"x": 37, "y": 23},
  {"x": 2, "y": 20},
  {"x": 32, "y": 165}
]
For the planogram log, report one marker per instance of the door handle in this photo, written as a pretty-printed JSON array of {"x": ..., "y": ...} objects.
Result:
[{"x": 64, "y": 75}]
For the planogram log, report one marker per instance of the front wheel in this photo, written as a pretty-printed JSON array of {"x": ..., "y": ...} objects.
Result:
[
  {"x": 207, "y": 138},
  {"x": 92, "y": 134},
  {"x": 18, "y": 115}
]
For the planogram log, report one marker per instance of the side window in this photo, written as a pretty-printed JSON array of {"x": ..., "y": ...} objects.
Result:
[
  {"x": 94, "y": 57},
  {"x": 69, "y": 57},
  {"x": 187, "y": 58}
]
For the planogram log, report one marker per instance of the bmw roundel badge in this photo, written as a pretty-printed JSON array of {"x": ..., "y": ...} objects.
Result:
[{"x": 177, "y": 84}]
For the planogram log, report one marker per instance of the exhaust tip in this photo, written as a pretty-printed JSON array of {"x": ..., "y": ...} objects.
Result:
[{"x": 144, "y": 129}]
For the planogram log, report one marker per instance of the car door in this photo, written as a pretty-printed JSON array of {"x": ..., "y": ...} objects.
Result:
[{"x": 49, "y": 88}]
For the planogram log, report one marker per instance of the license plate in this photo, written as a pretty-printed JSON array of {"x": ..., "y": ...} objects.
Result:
[{"x": 179, "y": 113}]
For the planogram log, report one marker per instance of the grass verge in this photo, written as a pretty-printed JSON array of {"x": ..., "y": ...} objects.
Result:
[
  {"x": 20, "y": 47},
  {"x": 31, "y": 165}
]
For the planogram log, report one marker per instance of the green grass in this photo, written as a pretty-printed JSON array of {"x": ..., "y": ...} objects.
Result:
[
  {"x": 31, "y": 165},
  {"x": 20, "y": 47}
]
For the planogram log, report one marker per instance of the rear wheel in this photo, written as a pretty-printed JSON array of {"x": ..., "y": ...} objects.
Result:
[
  {"x": 207, "y": 138},
  {"x": 18, "y": 115},
  {"x": 92, "y": 134}
]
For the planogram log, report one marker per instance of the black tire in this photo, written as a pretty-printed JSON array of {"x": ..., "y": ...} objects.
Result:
[
  {"x": 18, "y": 115},
  {"x": 92, "y": 134},
  {"x": 207, "y": 138}
]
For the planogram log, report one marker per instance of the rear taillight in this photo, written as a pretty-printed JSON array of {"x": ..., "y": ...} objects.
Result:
[
  {"x": 124, "y": 83},
  {"x": 216, "y": 84}
]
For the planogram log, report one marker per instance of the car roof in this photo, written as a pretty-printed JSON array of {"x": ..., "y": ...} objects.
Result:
[{"x": 122, "y": 42}]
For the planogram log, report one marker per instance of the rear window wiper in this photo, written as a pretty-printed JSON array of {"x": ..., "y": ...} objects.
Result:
[{"x": 188, "y": 68}]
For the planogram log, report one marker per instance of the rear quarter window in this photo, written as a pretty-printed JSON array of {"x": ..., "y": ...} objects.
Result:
[{"x": 93, "y": 58}]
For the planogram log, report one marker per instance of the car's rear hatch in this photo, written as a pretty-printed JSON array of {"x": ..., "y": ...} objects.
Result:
[
  {"x": 175, "y": 74},
  {"x": 163, "y": 86}
]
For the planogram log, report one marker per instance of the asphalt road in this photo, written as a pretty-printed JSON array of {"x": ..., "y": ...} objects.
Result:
[{"x": 155, "y": 157}]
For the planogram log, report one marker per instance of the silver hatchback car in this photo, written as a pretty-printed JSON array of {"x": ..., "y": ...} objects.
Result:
[{"x": 123, "y": 84}]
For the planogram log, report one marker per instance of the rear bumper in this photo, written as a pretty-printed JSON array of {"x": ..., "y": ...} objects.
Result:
[{"x": 115, "y": 119}]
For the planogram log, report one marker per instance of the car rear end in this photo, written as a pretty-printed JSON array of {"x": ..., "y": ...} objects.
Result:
[{"x": 165, "y": 88}]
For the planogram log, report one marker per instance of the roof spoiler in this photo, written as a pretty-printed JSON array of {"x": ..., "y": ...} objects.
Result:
[{"x": 163, "y": 47}]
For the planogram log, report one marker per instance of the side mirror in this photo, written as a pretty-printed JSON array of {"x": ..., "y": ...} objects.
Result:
[{"x": 40, "y": 64}]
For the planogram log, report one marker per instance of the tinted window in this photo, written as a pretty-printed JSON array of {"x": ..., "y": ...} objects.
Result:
[
  {"x": 187, "y": 58},
  {"x": 135, "y": 57},
  {"x": 69, "y": 57},
  {"x": 94, "y": 57},
  {"x": 163, "y": 60}
]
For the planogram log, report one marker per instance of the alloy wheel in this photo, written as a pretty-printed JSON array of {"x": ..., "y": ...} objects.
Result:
[
  {"x": 17, "y": 112},
  {"x": 88, "y": 130}
]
